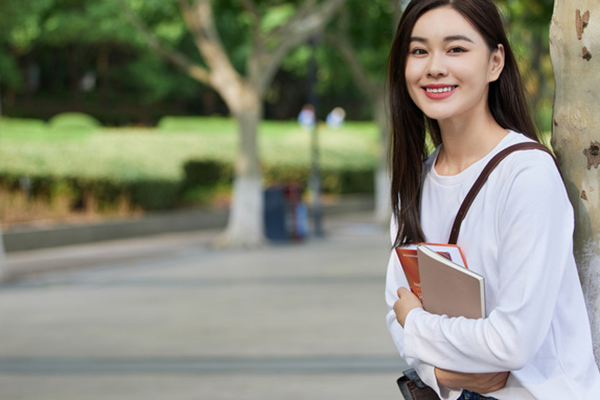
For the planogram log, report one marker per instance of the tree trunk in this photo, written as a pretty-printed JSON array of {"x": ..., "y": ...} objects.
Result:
[
  {"x": 245, "y": 226},
  {"x": 575, "y": 54},
  {"x": 383, "y": 208}
]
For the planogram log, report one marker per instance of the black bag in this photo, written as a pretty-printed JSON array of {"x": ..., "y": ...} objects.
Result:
[
  {"x": 410, "y": 384},
  {"x": 412, "y": 388}
]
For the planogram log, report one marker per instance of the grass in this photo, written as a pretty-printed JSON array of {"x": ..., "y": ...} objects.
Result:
[{"x": 30, "y": 147}]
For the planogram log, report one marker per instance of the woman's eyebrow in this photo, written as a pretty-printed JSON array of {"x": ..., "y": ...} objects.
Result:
[
  {"x": 451, "y": 38},
  {"x": 418, "y": 39},
  {"x": 457, "y": 37}
]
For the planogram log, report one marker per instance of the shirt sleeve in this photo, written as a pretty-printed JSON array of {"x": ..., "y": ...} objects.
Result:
[
  {"x": 535, "y": 227},
  {"x": 395, "y": 278}
]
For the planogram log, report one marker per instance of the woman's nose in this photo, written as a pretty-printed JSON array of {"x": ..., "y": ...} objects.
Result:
[{"x": 437, "y": 65}]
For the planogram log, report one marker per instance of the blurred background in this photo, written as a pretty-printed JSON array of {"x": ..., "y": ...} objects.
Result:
[{"x": 107, "y": 110}]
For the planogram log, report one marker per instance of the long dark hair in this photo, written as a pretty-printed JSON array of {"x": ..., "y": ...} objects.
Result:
[{"x": 506, "y": 101}]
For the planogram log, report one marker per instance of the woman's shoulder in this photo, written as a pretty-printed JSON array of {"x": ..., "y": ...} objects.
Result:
[
  {"x": 531, "y": 170},
  {"x": 533, "y": 158}
]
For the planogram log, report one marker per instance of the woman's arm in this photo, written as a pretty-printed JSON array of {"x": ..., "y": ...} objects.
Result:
[
  {"x": 477, "y": 382},
  {"x": 534, "y": 236},
  {"x": 394, "y": 279}
]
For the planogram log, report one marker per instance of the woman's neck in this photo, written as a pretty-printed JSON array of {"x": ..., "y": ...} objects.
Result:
[{"x": 466, "y": 141}]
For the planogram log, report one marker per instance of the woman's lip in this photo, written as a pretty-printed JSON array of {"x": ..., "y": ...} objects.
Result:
[{"x": 439, "y": 91}]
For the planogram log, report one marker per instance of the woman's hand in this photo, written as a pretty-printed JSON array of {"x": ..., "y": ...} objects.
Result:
[
  {"x": 478, "y": 383},
  {"x": 406, "y": 302}
]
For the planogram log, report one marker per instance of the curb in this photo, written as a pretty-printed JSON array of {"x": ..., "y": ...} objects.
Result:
[{"x": 31, "y": 238}]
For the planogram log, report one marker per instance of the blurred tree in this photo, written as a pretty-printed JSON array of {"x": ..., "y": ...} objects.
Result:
[
  {"x": 574, "y": 37},
  {"x": 528, "y": 29},
  {"x": 19, "y": 26},
  {"x": 269, "y": 30},
  {"x": 47, "y": 50},
  {"x": 363, "y": 35}
]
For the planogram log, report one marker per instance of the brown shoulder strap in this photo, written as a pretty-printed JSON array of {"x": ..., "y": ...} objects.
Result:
[{"x": 462, "y": 212}]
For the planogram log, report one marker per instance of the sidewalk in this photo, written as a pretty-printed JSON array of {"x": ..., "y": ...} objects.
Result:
[{"x": 168, "y": 317}]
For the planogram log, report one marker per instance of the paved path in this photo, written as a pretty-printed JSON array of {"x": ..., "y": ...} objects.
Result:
[{"x": 170, "y": 318}]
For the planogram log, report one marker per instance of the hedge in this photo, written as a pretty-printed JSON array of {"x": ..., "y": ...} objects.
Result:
[
  {"x": 161, "y": 194},
  {"x": 106, "y": 194}
]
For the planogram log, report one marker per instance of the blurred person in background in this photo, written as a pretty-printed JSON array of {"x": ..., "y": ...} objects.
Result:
[
  {"x": 335, "y": 118},
  {"x": 307, "y": 118}
]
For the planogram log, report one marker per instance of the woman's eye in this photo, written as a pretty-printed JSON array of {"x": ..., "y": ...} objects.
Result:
[
  {"x": 418, "y": 52},
  {"x": 457, "y": 50}
]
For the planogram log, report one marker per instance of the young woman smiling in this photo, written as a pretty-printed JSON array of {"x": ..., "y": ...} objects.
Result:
[{"x": 452, "y": 74}]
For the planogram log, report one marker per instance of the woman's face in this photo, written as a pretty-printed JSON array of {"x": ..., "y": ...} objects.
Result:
[{"x": 449, "y": 66}]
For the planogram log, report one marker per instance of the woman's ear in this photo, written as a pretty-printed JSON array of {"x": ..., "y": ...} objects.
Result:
[{"x": 496, "y": 63}]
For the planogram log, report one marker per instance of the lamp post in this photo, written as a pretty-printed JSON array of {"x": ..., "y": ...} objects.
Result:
[
  {"x": 3, "y": 273},
  {"x": 315, "y": 173}
]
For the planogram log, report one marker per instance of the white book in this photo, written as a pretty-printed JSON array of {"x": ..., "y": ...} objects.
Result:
[{"x": 449, "y": 288}]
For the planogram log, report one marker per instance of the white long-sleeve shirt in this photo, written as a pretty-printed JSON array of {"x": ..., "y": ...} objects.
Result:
[{"x": 518, "y": 235}]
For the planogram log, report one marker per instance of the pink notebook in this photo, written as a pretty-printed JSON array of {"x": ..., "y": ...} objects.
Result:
[{"x": 449, "y": 288}]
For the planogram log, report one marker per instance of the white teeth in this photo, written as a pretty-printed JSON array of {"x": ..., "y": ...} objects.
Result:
[{"x": 441, "y": 90}]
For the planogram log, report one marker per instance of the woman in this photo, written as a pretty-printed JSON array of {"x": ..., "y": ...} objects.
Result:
[{"x": 452, "y": 73}]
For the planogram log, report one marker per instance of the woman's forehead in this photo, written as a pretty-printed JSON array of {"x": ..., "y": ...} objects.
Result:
[{"x": 444, "y": 23}]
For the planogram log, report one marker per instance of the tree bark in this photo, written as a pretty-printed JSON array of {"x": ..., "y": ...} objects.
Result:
[
  {"x": 245, "y": 226},
  {"x": 575, "y": 54}
]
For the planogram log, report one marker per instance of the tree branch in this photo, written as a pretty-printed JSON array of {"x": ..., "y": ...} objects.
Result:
[
  {"x": 200, "y": 22},
  {"x": 361, "y": 78},
  {"x": 223, "y": 77},
  {"x": 308, "y": 21},
  {"x": 179, "y": 59},
  {"x": 250, "y": 7}
]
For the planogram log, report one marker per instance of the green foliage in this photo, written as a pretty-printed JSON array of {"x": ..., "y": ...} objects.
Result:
[
  {"x": 185, "y": 159},
  {"x": 156, "y": 79},
  {"x": 74, "y": 121},
  {"x": 371, "y": 30},
  {"x": 9, "y": 71},
  {"x": 276, "y": 16},
  {"x": 333, "y": 180},
  {"x": 205, "y": 125},
  {"x": 155, "y": 194},
  {"x": 150, "y": 194},
  {"x": 67, "y": 38},
  {"x": 20, "y": 21},
  {"x": 296, "y": 62},
  {"x": 528, "y": 28},
  {"x": 21, "y": 128},
  {"x": 204, "y": 179},
  {"x": 206, "y": 173}
]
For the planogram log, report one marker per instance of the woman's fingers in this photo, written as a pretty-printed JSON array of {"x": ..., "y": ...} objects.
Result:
[{"x": 406, "y": 302}]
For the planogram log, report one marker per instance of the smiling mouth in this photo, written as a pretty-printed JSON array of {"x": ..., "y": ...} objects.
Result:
[{"x": 440, "y": 90}]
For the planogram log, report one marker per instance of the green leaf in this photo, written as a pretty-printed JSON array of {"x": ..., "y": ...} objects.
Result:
[{"x": 276, "y": 16}]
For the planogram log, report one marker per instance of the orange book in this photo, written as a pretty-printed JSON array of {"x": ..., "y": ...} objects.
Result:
[{"x": 410, "y": 262}]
